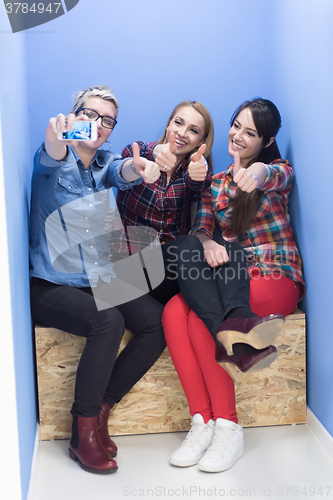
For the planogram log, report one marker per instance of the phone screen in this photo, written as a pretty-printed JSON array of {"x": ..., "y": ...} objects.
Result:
[{"x": 80, "y": 131}]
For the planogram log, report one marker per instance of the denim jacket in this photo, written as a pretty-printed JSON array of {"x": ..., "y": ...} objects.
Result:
[{"x": 69, "y": 203}]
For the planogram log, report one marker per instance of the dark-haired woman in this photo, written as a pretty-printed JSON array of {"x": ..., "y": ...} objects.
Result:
[{"x": 247, "y": 204}]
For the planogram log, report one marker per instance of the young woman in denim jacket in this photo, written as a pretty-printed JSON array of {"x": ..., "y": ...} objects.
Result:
[{"x": 69, "y": 261}]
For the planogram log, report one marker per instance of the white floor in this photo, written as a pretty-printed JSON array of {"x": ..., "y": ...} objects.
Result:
[{"x": 285, "y": 462}]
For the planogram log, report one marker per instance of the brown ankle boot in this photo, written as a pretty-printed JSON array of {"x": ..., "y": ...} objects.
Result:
[
  {"x": 86, "y": 448},
  {"x": 103, "y": 432}
]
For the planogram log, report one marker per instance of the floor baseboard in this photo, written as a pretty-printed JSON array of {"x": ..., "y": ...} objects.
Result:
[
  {"x": 34, "y": 464},
  {"x": 320, "y": 432}
]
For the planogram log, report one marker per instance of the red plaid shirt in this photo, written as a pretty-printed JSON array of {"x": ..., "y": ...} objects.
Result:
[
  {"x": 163, "y": 206},
  {"x": 268, "y": 244}
]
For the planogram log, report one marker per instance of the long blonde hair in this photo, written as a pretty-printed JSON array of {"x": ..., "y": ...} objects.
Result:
[{"x": 209, "y": 129}]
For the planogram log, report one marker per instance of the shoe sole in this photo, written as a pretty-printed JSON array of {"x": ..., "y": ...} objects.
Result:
[
  {"x": 210, "y": 468},
  {"x": 186, "y": 464},
  {"x": 238, "y": 375},
  {"x": 259, "y": 337},
  {"x": 89, "y": 469}
]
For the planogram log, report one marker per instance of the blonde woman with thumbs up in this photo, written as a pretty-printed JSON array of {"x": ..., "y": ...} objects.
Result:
[{"x": 183, "y": 155}]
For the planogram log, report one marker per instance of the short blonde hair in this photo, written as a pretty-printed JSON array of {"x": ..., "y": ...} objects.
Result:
[
  {"x": 209, "y": 128},
  {"x": 102, "y": 91}
]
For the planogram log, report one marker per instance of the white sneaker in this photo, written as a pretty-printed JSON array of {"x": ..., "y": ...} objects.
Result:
[
  {"x": 195, "y": 444},
  {"x": 227, "y": 446}
]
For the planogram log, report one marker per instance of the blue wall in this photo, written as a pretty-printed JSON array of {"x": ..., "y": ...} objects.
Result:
[
  {"x": 301, "y": 76},
  {"x": 153, "y": 58},
  {"x": 17, "y": 172}
]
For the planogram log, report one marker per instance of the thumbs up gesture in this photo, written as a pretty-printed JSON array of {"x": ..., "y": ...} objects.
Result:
[
  {"x": 197, "y": 168},
  {"x": 166, "y": 158},
  {"x": 248, "y": 179},
  {"x": 148, "y": 170}
]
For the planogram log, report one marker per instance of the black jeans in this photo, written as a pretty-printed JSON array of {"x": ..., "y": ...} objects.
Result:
[
  {"x": 210, "y": 292},
  {"x": 101, "y": 375}
]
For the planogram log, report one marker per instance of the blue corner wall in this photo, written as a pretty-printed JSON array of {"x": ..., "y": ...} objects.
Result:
[
  {"x": 301, "y": 77},
  {"x": 17, "y": 173},
  {"x": 153, "y": 57}
]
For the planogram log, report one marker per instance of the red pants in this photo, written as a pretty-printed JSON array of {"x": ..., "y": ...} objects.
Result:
[
  {"x": 272, "y": 294},
  {"x": 209, "y": 389}
]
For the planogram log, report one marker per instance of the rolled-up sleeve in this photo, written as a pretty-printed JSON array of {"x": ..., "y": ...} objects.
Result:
[
  {"x": 204, "y": 222},
  {"x": 198, "y": 186},
  {"x": 280, "y": 176},
  {"x": 44, "y": 164},
  {"x": 116, "y": 179}
]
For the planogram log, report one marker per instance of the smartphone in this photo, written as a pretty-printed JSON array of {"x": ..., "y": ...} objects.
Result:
[{"x": 81, "y": 131}]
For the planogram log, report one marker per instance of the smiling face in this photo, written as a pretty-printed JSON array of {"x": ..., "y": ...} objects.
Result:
[
  {"x": 104, "y": 108},
  {"x": 189, "y": 128},
  {"x": 244, "y": 138}
]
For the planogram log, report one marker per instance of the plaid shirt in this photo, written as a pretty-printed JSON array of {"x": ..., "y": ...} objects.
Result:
[
  {"x": 268, "y": 244},
  {"x": 163, "y": 206}
]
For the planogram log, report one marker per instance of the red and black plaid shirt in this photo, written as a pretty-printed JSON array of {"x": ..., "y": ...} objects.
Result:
[
  {"x": 163, "y": 206},
  {"x": 268, "y": 244}
]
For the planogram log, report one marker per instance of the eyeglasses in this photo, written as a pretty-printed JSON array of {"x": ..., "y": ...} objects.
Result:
[{"x": 107, "y": 121}]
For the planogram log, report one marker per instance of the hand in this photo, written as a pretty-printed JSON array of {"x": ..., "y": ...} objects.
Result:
[
  {"x": 197, "y": 168},
  {"x": 148, "y": 170},
  {"x": 55, "y": 148},
  {"x": 65, "y": 123},
  {"x": 216, "y": 255},
  {"x": 248, "y": 179},
  {"x": 166, "y": 158}
]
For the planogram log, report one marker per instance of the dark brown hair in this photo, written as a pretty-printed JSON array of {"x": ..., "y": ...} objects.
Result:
[{"x": 267, "y": 120}]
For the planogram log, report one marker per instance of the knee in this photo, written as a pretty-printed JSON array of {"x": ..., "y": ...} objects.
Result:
[
  {"x": 175, "y": 312},
  {"x": 235, "y": 251},
  {"x": 154, "y": 322},
  {"x": 106, "y": 322},
  {"x": 191, "y": 242},
  {"x": 177, "y": 306},
  {"x": 190, "y": 250},
  {"x": 147, "y": 321}
]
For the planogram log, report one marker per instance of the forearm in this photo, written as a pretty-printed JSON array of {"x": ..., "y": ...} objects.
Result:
[
  {"x": 260, "y": 171},
  {"x": 128, "y": 171},
  {"x": 279, "y": 176},
  {"x": 204, "y": 221},
  {"x": 198, "y": 186},
  {"x": 203, "y": 238},
  {"x": 56, "y": 151}
]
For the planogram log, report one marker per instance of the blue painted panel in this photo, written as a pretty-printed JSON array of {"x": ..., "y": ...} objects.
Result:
[{"x": 302, "y": 75}]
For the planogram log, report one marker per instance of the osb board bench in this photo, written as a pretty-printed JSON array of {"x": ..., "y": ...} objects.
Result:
[{"x": 273, "y": 396}]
